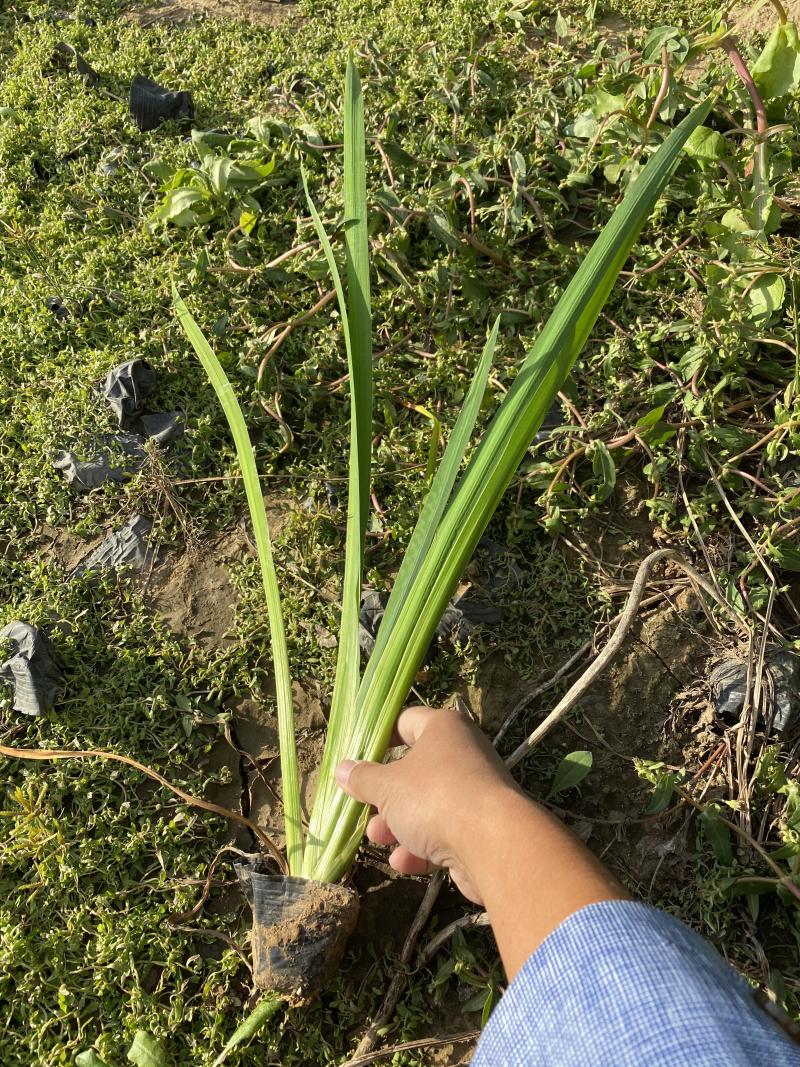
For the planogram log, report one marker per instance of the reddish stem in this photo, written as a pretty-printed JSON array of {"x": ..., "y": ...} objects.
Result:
[{"x": 734, "y": 55}]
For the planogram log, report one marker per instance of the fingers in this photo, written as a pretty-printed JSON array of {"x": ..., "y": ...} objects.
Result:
[
  {"x": 378, "y": 831},
  {"x": 362, "y": 780},
  {"x": 411, "y": 724},
  {"x": 405, "y": 862}
]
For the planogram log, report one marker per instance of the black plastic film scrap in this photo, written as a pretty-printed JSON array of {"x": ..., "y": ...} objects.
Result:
[
  {"x": 65, "y": 53},
  {"x": 125, "y": 389},
  {"x": 729, "y": 684},
  {"x": 151, "y": 104},
  {"x": 91, "y": 473},
  {"x": 56, "y": 306},
  {"x": 31, "y": 670},
  {"x": 462, "y": 618},
  {"x": 126, "y": 547}
]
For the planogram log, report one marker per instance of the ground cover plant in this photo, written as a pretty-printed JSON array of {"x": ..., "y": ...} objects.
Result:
[{"x": 503, "y": 141}]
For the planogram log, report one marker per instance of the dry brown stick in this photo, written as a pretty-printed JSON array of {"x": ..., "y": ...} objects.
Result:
[
  {"x": 367, "y": 1042},
  {"x": 290, "y": 326},
  {"x": 218, "y": 935},
  {"x": 663, "y": 89},
  {"x": 184, "y": 916},
  {"x": 427, "y": 952},
  {"x": 289, "y": 253},
  {"x": 664, "y": 259},
  {"x": 47, "y": 754},
  {"x": 408, "y": 1046},
  {"x": 531, "y": 694},
  {"x": 567, "y": 666},
  {"x": 618, "y": 442},
  {"x": 577, "y": 690},
  {"x": 386, "y": 163}
]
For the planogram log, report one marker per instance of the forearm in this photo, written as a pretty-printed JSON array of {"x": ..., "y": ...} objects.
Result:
[{"x": 532, "y": 873}]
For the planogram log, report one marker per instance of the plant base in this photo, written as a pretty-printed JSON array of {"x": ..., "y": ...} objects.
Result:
[{"x": 300, "y": 929}]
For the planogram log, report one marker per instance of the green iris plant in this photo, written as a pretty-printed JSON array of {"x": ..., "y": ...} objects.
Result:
[{"x": 458, "y": 506}]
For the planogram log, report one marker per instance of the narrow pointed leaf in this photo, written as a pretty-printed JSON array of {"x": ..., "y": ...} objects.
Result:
[
  {"x": 388, "y": 677},
  {"x": 255, "y": 500},
  {"x": 439, "y": 494},
  {"x": 250, "y": 1026},
  {"x": 357, "y": 320}
]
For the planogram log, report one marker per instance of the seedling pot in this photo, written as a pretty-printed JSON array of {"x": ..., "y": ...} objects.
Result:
[{"x": 300, "y": 929}]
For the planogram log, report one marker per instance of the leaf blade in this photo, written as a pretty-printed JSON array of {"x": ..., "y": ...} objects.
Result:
[
  {"x": 570, "y": 772},
  {"x": 290, "y": 774},
  {"x": 357, "y": 322},
  {"x": 388, "y": 677}
]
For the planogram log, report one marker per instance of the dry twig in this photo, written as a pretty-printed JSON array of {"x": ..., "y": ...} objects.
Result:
[
  {"x": 367, "y": 1042},
  {"x": 47, "y": 754}
]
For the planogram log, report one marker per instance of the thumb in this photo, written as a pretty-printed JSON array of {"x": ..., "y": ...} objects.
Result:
[{"x": 362, "y": 780}]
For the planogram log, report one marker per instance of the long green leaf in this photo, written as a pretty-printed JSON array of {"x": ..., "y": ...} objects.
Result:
[
  {"x": 438, "y": 495},
  {"x": 357, "y": 322},
  {"x": 250, "y": 1026},
  {"x": 388, "y": 677},
  {"x": 255, "y": 500}
]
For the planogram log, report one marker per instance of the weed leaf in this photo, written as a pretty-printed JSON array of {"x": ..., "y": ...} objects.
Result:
[
  {"x": 777, "y": 70},
  {"x": 570, "y": 772},
  {"x": 662, "y": 794},
  {"x": 146, "y": 1051},
  {"x": 604, "y": 469},
  {"x": 89, "y": 1058},
  {"x": 257, "y": 1018},
  {"x": 717, "y": 834}
]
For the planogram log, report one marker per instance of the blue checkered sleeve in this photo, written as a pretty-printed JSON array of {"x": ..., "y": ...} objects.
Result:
[{"x": 621, "y": 984}]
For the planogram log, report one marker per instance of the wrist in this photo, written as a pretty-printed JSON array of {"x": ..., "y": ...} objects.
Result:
[{"x": 497, "y": 820}]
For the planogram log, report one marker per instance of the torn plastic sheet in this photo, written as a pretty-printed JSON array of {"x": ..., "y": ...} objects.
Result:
[
  {"x": 162, "y": 426},
  {"x": 552, "y": 420},
  {"x": 501, "y": 571},
  {"x": 729, "y": 689},
  {"x": 32, "y": 670},
  {"x": 373, "y": 605},
  {"x": 126, "y": 547},
  {"x": 110, "y": 164},
  {"x": 56, "y": 306},
  {"x": 463, "y": 616},
  {"x": 150, "y": 104},
  {"x": 91, "y": 473},
  {"x": 125, "y": 389}
]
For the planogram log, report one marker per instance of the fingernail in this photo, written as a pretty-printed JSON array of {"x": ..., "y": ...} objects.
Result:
[{"x": 343, "y": 771}]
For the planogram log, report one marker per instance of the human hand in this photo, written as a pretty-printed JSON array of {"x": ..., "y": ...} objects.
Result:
[{"x": 431, "y": 803}]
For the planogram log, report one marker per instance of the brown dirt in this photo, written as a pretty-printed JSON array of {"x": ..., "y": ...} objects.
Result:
[
  {"x": 388, "y": 907},
  {"x": 300, "y": 952},
  {"x": 755, "y": 23},
  {"x": 64, "y": 547},
  {"x": 651, "y": 704},
  {"x": 192, "y": 591},
  {"x": 249, "y": 765},
  {"x": 260, "y": 12}
]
